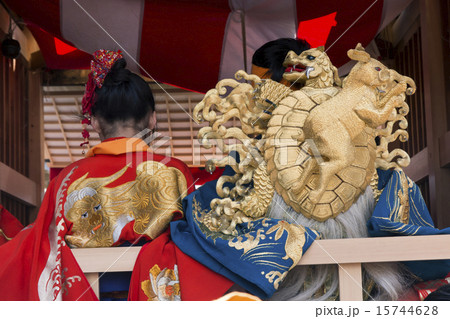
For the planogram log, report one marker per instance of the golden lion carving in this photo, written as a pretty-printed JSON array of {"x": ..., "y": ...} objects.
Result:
[{"x": 335, "y": 123}]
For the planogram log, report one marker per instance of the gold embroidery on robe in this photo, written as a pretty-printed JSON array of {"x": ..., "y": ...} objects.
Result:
[
  {"x": 293, "y": 247},
  {"x": 249, "y": 243},
  {"x": 163, "y": 285},
  {"x": 99, "y": 213}
]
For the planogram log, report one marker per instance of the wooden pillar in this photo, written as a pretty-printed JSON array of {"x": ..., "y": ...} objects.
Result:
[
  {"x": 350, "y": 282},
  {"x": 36, "y": 137},
  {"x": 435, "y": 107},
  {"x": 94, "y": 281}
]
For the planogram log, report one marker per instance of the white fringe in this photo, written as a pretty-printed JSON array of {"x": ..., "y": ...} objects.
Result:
[{"x": 388, "y": 277}]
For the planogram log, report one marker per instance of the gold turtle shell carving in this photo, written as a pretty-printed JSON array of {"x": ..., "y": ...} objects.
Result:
[{"x": 288, "y": 158}]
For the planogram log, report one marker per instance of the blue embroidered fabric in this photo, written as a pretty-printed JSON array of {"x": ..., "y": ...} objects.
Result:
[
  {"x": 385, "y": 220},
  {"x": 257, "y": 258}
]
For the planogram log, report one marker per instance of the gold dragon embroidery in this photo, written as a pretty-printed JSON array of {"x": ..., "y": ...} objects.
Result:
[{"x": 99, "y": 212}]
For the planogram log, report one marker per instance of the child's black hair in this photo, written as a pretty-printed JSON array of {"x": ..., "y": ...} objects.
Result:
[
  {"x": 272, "y": 54},
  {"x": 123, "y": 96}
]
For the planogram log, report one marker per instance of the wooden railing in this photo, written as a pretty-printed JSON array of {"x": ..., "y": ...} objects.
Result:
[{"x": 348, "y": 254}]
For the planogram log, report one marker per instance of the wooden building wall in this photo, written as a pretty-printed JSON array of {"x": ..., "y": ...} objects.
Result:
[
  {"x": 13, "y": 128},
  {"x": 435, "y": 63},
  {"x": 421, "y": 50},
  {"x": 408, "y": 61},
  {"x": 21, "y": 160}
]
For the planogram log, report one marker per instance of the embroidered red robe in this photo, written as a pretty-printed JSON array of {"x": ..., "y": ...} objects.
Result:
[{"x": 120, "y": 193}]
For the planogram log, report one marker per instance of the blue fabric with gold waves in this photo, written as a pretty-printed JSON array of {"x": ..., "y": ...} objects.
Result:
[
  {"x": 257, "y": 259},
  {"x": 398, "y": 214}
]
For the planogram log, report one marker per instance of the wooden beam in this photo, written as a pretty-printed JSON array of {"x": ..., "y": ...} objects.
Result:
[
  {"x": 59, "y": 164},
  {"x": 418, "y": 168},
  {"x": 47, "y": 153},
  {"x": 351, "y": 275},
  {"x": 62, "y": 130},
  {"x": 80, "y": 111},
  {"x": 67, "y": 78},
  {"x": 9, "y": 96},
  {"x": 191, "y": 126},
  {"x": 73, "y": 148},
  {"x": 170, "y": 126},
  {"x": 17, "y": 185},
  {"x": 35, "y": 137},
  {"x": 94, "y": 282},
  {"x": 57, "y": 139},
  {"x": 405, "y": 22},
  {"x": 110, "y": 259},
  {"x": 178, "y": 96},
  {"x": 369, "y": 250},
  {"x": 444, "y": 150},
  {"x": 321, "y": 252}
]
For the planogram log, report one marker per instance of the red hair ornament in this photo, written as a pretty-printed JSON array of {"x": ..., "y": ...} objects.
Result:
[{"x": 100, "y": 67}]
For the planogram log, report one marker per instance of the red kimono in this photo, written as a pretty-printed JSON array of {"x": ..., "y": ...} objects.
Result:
[{"x": 120, "y": 193}]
